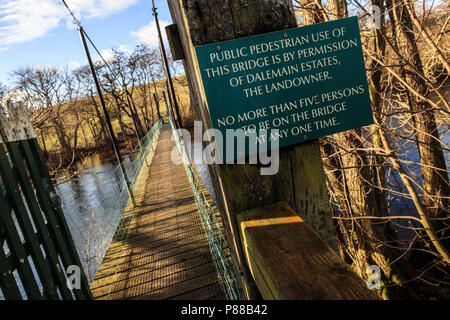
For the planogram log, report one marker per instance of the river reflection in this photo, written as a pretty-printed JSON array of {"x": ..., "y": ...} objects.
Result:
[{"x": 89, "y": 202}]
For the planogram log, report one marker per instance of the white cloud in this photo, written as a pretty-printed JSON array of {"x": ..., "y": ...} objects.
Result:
[
  {"x": 148, "y": 34},
  {"x": 25, "y": 20},
  {"x": 108, "y": 55},
  {"x": 72, "y": 65},
  {"x": 126, "y": 49}
]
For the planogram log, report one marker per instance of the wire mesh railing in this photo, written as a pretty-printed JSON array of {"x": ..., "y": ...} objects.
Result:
[
  {"x": 224, "y": 260},
  {"x": 133, "y": 164}
]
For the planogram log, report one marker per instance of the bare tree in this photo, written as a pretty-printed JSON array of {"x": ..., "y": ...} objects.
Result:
[{"x": 371, "y": 169}]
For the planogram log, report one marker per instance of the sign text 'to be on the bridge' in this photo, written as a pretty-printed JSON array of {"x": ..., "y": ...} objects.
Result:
[{"x": 306, "y": 82}]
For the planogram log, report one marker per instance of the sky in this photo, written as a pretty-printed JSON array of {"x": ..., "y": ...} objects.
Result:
[{"x": 41, "y": 32}]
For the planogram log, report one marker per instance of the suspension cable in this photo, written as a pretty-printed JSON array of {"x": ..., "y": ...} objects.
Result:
[{"x": 80, "y": 27}]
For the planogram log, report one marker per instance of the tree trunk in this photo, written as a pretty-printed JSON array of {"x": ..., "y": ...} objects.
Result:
[
  {"x": 100, "y": 118},
  {"x": 358, "y": 190},
  {"x": 375, "y": 88},
  {"x": 44, "y": 145},
  {"x": 62, "y": 137},
  {"x": 435, "y": 179}
]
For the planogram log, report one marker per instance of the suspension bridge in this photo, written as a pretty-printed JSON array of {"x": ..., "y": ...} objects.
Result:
[
  {"x": 161, "y": 248},
  {"x": 169, "y": 244}
]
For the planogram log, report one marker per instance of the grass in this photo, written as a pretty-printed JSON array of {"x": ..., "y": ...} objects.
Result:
[{"x": 84, "y": 109}]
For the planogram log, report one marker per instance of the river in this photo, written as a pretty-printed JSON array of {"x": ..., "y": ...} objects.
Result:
[
  {"x": 88, "y": 199},
  {"x": 89, "y": 203}
]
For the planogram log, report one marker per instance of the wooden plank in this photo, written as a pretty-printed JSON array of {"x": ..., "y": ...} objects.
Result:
[
  {"x": 8, "y": 284},
  {"x": 167, "y": 277},
  {"x": 188, "y": 284},
  {"x": 143, "y": 247},
  {"x": 142, "y": 260},
  {"x": 289, "y": 261},
  {"x": 36, "y": 214}
]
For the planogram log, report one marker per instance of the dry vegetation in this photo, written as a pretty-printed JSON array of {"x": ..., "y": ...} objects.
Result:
[
  {"x": 389, "y": 182},
  {"x": 66, "y": 111}
]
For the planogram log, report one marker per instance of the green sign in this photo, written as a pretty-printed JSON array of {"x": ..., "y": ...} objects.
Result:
[{"x": 307, "y": 82}]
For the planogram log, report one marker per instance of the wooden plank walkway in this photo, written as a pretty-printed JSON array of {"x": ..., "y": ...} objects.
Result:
[{"x": 160, "y": 251}]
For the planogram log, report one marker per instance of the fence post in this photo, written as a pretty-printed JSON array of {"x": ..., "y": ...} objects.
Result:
[{"x": 301, "y": 180}]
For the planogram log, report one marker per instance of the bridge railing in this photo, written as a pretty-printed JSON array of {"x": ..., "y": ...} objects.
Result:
[
  {"x": 133, "y": 164},
  {"x": 119, "y": 222},
  {"x": 228, "y": 269}
]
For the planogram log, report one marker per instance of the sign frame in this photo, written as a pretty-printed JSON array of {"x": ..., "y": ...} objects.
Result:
[{"x": 323, "y": 90}]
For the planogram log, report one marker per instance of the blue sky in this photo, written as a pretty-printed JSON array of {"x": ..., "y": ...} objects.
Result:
[{"x": 38, "y": 32}]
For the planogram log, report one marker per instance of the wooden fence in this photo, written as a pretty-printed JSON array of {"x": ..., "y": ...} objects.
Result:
[{"x": 37, "y": 252}]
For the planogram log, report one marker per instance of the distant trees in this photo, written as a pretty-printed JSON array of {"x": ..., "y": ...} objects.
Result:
[
  {"x": 146, "y": 62},
  {"x": 389, "y": 182},
  {"x": 66, "y": 111},
  {"x": 91, "y": 107},
  {"x": 47, "y": 90}
]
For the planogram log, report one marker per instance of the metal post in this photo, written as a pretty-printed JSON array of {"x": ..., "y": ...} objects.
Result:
[
  {"x": 175, "y": 119},
  {"x": 166, "y": 64},
  {"x": 157, "y": 105},
  {"x": 168, "y": 109},
  {"x": 105, "y": 111}
]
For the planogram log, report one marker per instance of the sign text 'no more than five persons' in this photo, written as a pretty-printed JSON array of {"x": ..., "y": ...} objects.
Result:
[{"x": 307, "y": 82}]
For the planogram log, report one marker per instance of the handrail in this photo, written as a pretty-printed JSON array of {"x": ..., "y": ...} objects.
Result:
[{"x": 228, "y": 269}]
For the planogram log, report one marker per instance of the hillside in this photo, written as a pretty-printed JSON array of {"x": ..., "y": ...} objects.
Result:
[{"x": 70, "y": 131}]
